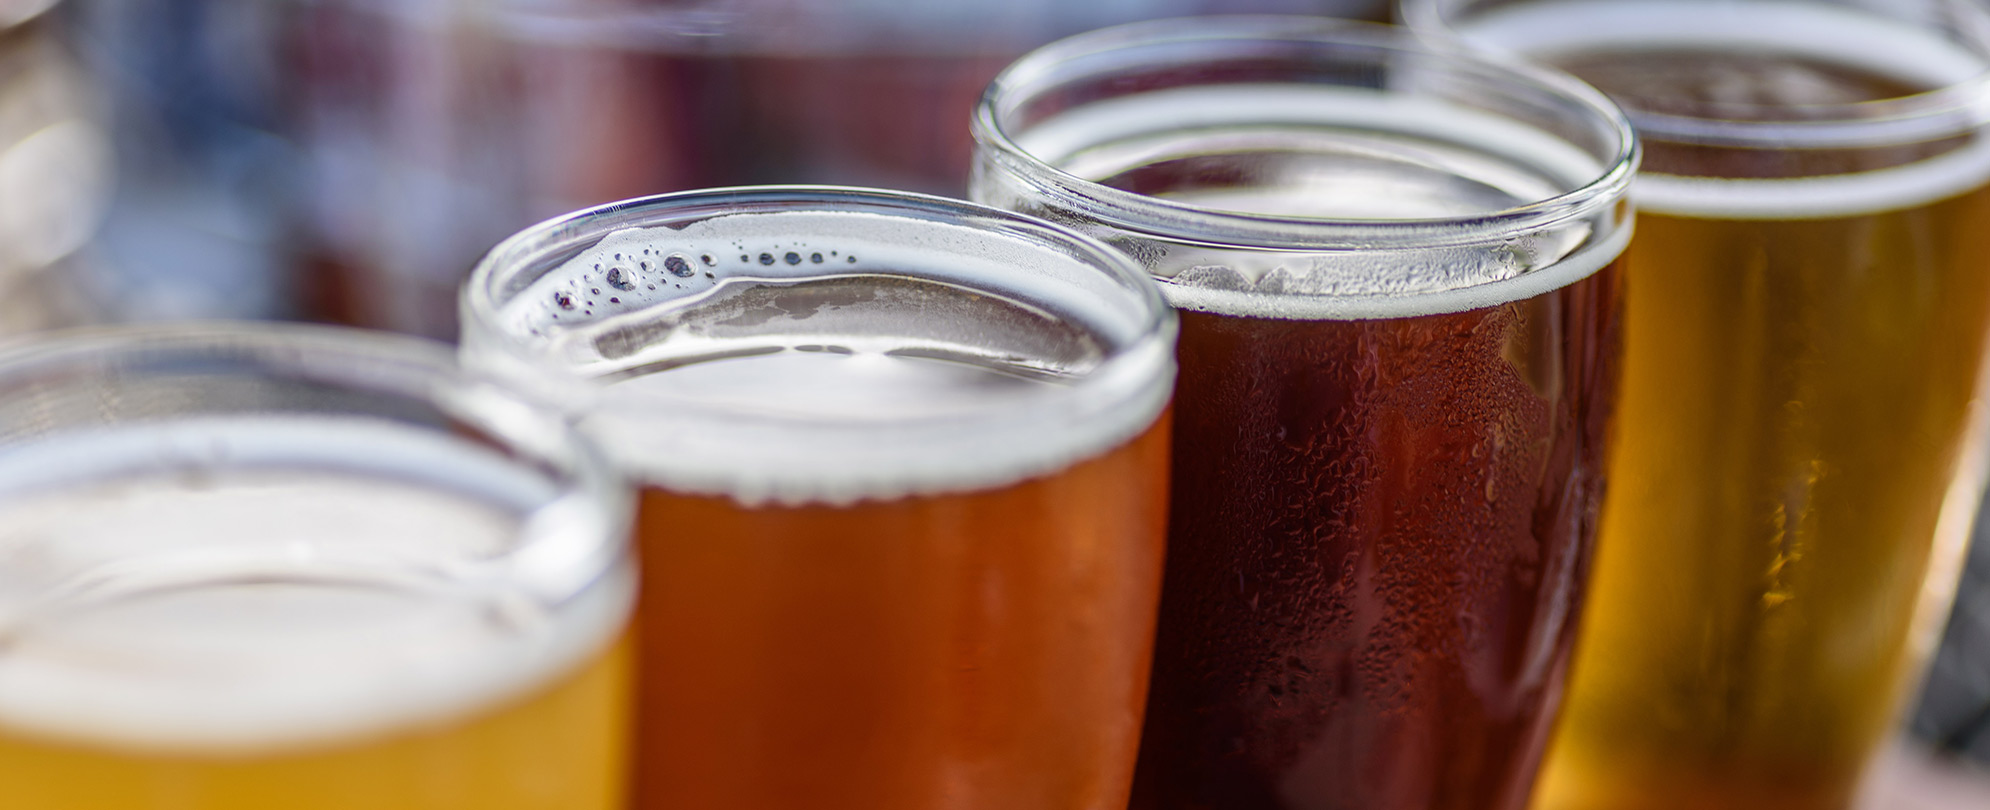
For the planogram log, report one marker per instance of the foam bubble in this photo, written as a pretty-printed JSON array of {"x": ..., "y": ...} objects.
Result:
[{"x": 246, "y": 585}]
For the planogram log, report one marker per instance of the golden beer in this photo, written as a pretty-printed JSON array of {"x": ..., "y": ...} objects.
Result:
[
  {"x": 253, "y": 603},
  {"x": 1799, "y": 452}
]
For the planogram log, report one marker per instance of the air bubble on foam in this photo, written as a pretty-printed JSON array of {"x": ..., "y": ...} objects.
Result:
[{"x": 621, "y": 279}]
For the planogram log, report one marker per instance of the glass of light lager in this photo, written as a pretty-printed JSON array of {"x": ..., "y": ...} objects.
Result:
[
  {"x": 252, "y": 567},
  {"x": 905, "y": 472},
  {"x": 1398, "y": 280},
  {"x": 1801, "y": 450}
]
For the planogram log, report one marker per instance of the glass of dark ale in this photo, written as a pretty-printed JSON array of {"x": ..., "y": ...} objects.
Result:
[
  {"x": 1398, "y": 278},
  {"x": 904, "y": 467},
  {"x": 246, "y": 567},
  {"x": 1802, "y": 444}
]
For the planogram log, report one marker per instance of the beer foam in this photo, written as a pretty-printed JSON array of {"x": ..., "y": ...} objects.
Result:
[
  {"x": 239, "y": 587},
  {"x": 1839, "y": 35},
  {"x": 1523, "y": 163},
  {"x": 832, "y": 357},
  {"x": 1574, "y": 267}
]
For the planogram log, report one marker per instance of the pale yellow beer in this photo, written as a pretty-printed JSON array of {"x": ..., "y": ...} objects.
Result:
[
  {"x": 231, "y": 589},
  {"x": 1799, "y": 450}
]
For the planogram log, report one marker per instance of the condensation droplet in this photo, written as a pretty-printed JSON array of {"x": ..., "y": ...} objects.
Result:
[
  {"x": 766, "y": 258},
  {"x": 678, "y": 266},
  {"x": 709, "y": 260},
  {"x": 614, "y": 300},
  {"x": 815, "y": 257},
  {"x": 793, "y": 257},
  {"x": 595, "y": 290},
  {"x": 564, "y": 299},
  {"x": 852, "y": 260}
]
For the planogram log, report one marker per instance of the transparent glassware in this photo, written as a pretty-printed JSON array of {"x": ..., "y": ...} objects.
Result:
[
  {"x": 916, "y": 443},
  {"x": 1802, "y": 448},
  {"x": 1398, "y": 276},
  {"x": 282, "y": 566}
]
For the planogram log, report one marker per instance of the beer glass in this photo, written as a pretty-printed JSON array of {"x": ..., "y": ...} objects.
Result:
[
  {"x": 1397, "y": 279},
  {"x": 905, "y": 472},
  {"x": 1397, "y": 274},
  {"x": 1802, "y": 447},
  {"x": 262, "y": 567}
]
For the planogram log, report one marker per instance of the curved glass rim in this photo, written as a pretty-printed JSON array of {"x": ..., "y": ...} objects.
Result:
[
  {"x": 1217, "y": 228},
  {"x": 479, "y": 301},
  {"x": 393, "y": 365},
  {"x": 1944, "y": 112}
]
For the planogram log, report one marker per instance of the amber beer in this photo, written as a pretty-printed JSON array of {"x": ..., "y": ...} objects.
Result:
[
  {"x": 906, "y": 467},
  {"x": 1397, "y": 377},
  {"x": 254, "y": 567},
  {"x": 1800, "y": 451}
]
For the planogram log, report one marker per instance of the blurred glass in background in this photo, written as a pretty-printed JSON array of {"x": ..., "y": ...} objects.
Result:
[
  {"x": 348, "y": 160},
  {"x": 55, "y": 170}
]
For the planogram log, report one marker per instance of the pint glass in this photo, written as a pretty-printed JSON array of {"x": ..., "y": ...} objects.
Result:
[
  {"x": 905, "y": 472},
  {"x": 1801, "y": 452},
  {"x": 1398, "y": 284},
  {"x": 267, "y": 567}
]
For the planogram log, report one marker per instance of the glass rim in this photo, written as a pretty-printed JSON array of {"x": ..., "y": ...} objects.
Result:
[
  {"x": 391, "y": 365},
  {"x": 526, "y": 248},
  {"x": 837, "y": 457},
  {"x": 1026, "y": 78},
  {"x": 1944, "y": 112}
]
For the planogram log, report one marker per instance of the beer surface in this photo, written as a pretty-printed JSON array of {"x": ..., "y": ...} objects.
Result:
[
  {"x": 1386, "y": 463},
  {"x": 747, "y": 363},
  {"x": 1335, "y": 154},
  {"x": 316, "y": 633},
  {"x": 1799, "y": 442}
]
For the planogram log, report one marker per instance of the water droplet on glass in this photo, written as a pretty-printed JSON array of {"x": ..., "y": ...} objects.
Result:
[
  {"x": 678, "y": 266},
  {"x": 766, "y": 258},
  {"x": 793, "y": 257},
  {"x": 564, "y": 299},
  {"x": 815, "y": 257},
  {"x": 709, "y": 260}
]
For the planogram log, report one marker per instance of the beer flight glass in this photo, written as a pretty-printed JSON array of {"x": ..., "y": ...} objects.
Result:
[
  {"x": 1801, "y": 443},
  {"x": 1398, "y": 279},
  {"x": 904, "y": 468},
  {"x": 297, "y": 567}
]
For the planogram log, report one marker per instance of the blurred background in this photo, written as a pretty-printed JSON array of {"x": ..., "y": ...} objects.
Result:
[{"x": 348, "y": 160}]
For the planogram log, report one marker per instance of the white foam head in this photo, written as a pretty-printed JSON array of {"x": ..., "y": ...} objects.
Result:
[
  {"x": 815, "y": 355},
  {"x": 253, "y": 584},
  {"x": 1838, "y": 34}
]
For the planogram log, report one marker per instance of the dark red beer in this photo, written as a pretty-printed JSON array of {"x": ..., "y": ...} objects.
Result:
[{"x": 1379, "y": 535}]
